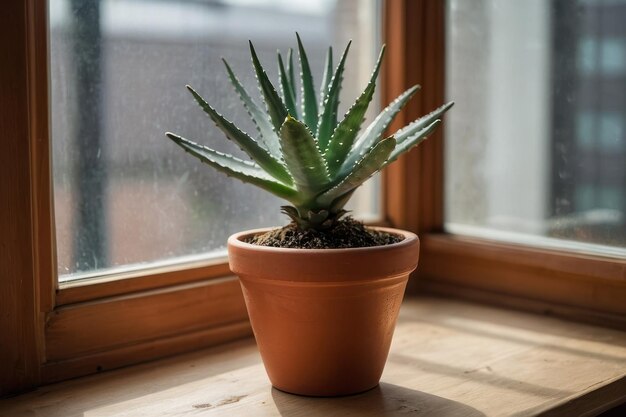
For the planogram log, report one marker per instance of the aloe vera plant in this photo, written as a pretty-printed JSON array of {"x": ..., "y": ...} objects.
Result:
[{"x": 302, "y": 153}]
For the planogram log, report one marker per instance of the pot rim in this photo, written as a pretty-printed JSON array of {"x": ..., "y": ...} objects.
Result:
[
  {"x": 322, "y": 265},
  {"x": 236, "y": 240}
]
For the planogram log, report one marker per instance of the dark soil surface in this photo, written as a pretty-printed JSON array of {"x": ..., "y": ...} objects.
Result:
[{"x": 348, "y": 233}]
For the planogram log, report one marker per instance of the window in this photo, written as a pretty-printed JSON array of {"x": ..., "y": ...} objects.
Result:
[
  {"x": 98, "y": 324},
  {"x": 534, "y": 161},
  {"x": 536, "y": 146},
  {"x": 126, "y": 197},
  {"x": 160, "y": 308}
]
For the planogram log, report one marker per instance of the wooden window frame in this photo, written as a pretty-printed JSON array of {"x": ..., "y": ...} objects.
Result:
[
  {"x": 584, "y": 287},
  {"x": 50, "y": 334}
]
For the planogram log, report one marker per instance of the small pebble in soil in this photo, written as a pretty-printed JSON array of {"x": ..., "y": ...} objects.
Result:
[{"x": 348, "y": 233}]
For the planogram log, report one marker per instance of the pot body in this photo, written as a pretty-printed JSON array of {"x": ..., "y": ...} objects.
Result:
[{"x": 323, "y": 319}]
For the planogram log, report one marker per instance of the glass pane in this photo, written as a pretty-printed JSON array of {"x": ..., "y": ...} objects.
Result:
[
  {"x": 536, "y": 145},
  {"x": 124, "y": 194}
]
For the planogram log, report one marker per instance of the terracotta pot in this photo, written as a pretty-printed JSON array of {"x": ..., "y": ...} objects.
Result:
[{"x": 323, "y": 318}]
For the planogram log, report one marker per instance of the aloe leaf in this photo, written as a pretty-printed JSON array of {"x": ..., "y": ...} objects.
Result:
[
  {"x": 295, "y": 216},
  {"x": 235, "y": 167},
  {"x": 343, "y": 137},
  {"x": 292, "y": 212},
  {"x": 367, "y": 166},
  {"x": 290, "y": 72},
  {"x": 327, "y": 77},
  {"x": 376, "y": 129},
  {"x": 247, "y": 144},
  {"x": 309, "y": 101},
  {"x": 328, "y": 117},
  {"x": 275, "y": 106},
  {"x": 302, "y": 157},
  {"x": 419, "y": 124},
  {"x": 338, "y": 203},
  {"x": 287, "y": 89},
  {"x": 412, "y": 141},
  {"x": 259, "y": 117}
]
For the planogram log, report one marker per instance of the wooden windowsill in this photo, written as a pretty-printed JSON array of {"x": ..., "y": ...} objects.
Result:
[{"x": 448, "y": 358}]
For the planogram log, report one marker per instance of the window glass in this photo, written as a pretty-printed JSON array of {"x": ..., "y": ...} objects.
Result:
[
  {"x": 124, "y": 194},
  {"x": 536, "y": 144},
  {"x": 613, "y": 55}
]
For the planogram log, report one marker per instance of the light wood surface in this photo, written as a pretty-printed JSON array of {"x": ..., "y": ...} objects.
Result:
[{"x": 448, "y": 358}]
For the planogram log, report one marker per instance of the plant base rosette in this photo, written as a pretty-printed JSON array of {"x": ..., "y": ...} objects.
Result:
[{"x": 323, "y": 319}]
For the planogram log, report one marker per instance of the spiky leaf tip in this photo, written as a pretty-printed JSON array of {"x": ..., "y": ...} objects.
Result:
[
  {"x": 328, "y": 113},
  {"x": 287, "y": 88},
  {"x": 245, "y": 142},
  {"x": 344, "y": 134},
  {"x": 268, "y": 135},
  {"x": 275, "y": 106},
  {"x": 234, "y": 167},
  {"x": 375, "y": 130},
  {"x": 309, "y": 100}
]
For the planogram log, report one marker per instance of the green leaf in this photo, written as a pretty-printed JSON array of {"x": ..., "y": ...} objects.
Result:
[
  {"x": 419, "y": 124},
  {"x": 327, "y": 77},
  {"x": 292, "y": 212},
  {"x": 290, "y": 72},
  {"x": 376, "y": 129},
  {"x": 339, "y": 202},
  {"x": 328, "y": 117},
  {"x": 287, "y": 88},
  {"x": 247, "y": 144},
  {"x": 309, "y": 101},
  {"x": 259, "y": 117},
  {"x": 367, "y": 166},
  {"x": 302, "y": 157},
  {"x": 345, "y": 133},
  {"x": 275, "y": 106},
  {"x": 412, "y": 141},
  {"x": 235, "y": 167}
]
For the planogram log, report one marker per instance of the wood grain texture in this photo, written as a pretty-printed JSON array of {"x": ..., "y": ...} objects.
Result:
[
  {"x": 539, "y": 259},
  {"x": 394, "y": 82},
  {"x": 585, "y": 282},
  {"x": 87, "y": 328},
  {"x": 547, "y": 308},
  {"x": 20, "y": 321},
  {"x": 144, "y": 351},
  {"x": 413, "y": 186},
  {"x": 448, "y": 358},
  {"x": 44, "y": 252}
]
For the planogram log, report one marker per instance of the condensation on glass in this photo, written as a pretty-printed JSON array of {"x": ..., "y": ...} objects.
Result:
[
  {"x": 536, "y": 144},
  {"x": 124, "y": 195}
]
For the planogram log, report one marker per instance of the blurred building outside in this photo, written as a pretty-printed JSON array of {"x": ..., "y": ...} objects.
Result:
[{"x": 536, "y": 145}]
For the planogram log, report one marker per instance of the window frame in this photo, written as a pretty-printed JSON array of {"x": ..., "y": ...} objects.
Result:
[
  {"x": 163, "y": 311},
  {"x": 584, "y": 287}
]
